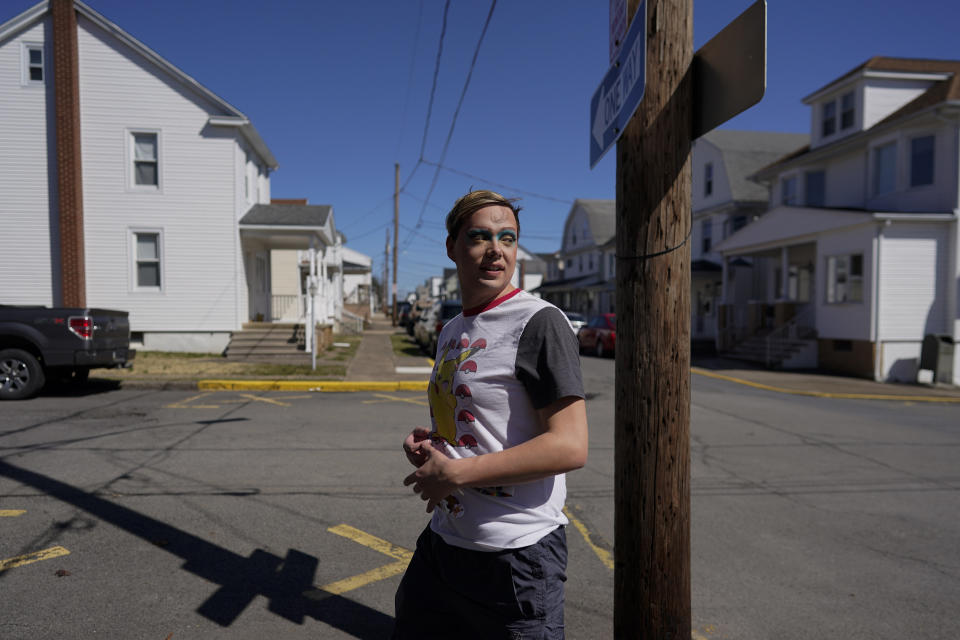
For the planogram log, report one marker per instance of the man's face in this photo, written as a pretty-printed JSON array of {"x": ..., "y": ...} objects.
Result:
[{"x": 485, "y": 251}]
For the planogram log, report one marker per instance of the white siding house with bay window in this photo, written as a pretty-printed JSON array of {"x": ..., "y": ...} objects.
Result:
[{"x": 859, "y": 252}]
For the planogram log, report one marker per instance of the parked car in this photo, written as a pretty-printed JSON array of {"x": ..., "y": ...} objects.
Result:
[
  {"x": 432, "y": 321},
  {"x": 599, "y": 336},
  {"x": 39, "y": 343},
  {"x": 403, "y": 314},
  {"x": 577, "y": 320}
]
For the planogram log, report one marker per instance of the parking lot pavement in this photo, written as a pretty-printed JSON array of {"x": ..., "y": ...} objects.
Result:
[{"x": 229, "y": 514}]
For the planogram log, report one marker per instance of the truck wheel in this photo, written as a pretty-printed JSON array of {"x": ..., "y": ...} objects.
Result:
[{"x": 21, "y": 376}]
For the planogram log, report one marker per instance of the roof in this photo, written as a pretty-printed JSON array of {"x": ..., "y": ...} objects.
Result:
[
  {"x": 788, "y": 225},
  {"x": 294, "y": 215},
  {"x": 896, "y": 65},
  {"x": 601, "y": 216},
  {"x": 943, "y": 91},
  {"x": 228, "y": 116},
  {"x": 745, "y": 152}
]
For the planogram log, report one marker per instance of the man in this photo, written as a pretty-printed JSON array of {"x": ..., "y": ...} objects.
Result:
[{"x": 509, "y": 420}]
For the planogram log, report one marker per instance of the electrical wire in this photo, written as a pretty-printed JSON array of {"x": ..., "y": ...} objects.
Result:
[
  {"x": 413, "y": 60},
  {"x": 456, "y": 113},
  {"x": 497, "y": 184}
]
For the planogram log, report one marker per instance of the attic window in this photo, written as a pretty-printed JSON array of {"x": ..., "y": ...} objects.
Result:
[
  {"x": 708, "y": 179},
  {"x": 829, "y": 120}
]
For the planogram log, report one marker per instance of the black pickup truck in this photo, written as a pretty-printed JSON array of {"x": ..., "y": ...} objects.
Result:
[{"x": 37, "y": 343}]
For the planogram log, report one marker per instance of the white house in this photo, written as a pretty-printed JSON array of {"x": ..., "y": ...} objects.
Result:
[
  {"x": 582, "y": 275},
  {"x": 860, "y": 245},
  {"x": 125, "y": 183},
  {"x": 724, "y": 201}
]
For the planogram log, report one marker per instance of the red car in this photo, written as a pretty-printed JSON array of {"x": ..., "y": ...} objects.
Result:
[{"x": 599, "y": 336}]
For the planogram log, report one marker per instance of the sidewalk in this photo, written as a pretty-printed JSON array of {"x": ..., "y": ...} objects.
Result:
[
  {"x": 821, "y": 384},
  {"x": 376, "y": 366}
]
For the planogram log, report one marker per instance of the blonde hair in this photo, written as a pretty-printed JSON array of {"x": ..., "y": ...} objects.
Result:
[{"x": 474, "y": 201}]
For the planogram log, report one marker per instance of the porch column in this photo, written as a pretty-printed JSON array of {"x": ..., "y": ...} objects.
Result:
[
  {"x": 724, "y": 260},
  {"x": 784, "y": 273}
]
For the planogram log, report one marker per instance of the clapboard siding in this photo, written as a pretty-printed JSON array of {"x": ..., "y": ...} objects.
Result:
[
  {"x": 25, "y": 271},
  {"x": 194, "y": 207},
  {"x": 913, "y": 285}
]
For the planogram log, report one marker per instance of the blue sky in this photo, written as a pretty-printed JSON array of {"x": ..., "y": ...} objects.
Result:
[{"x": 340, "y": 91}]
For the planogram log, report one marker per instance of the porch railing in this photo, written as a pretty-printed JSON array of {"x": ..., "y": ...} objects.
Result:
[
  {"x": 286, "y": 307},
  {"x": 778, "y": 341}
]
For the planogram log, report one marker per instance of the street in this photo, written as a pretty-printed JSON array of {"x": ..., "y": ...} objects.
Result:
[{"x": 187, "y": 514}]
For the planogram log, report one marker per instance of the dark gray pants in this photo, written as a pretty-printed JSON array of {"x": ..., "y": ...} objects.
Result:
[{"x": 450, "y": 592}]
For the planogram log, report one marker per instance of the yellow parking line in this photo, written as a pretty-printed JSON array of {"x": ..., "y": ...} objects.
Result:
[
  {"x": 380, "y": 573},
  {"x": 397, "y": 399},
  {"x": 310, "y": 385},
  {"x": 374, "y": 575},
  {"x": 28, "y": 558},
  {"x": 183, "y": 404},
  {"x": 263, "y": 399},
  {"x": 372, "y": 542},
  {"x": 605, "y": 556},
  {"x": 11, "y": 513},
  {"x": 824, "y": 394}
]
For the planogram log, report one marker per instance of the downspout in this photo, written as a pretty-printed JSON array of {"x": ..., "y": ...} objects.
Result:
[{"x": 875, "y": 294}]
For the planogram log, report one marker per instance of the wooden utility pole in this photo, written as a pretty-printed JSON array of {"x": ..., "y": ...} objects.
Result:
[
  {"x": 396, "y": 233},
  {"x": 652, "y": 459},
  {"x": 384, "y": 295}
]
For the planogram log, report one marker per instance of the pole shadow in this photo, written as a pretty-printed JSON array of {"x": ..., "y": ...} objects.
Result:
[{"x": 283, "y": 581}]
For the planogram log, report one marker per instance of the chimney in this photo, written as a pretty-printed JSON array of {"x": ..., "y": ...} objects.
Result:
[{"x": 69, "y": 175}]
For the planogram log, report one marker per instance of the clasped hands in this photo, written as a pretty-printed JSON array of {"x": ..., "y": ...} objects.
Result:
[{"x": 433, "y": 478}]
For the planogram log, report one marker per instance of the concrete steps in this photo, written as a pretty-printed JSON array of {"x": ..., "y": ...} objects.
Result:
[
  {"x": 755, "y": 349},
  {"x": 268, "y": 341}
]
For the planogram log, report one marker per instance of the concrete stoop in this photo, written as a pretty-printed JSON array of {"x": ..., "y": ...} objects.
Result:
[
  {"x": 786, "y": 353},
  {"x": 268, "y": 341}
]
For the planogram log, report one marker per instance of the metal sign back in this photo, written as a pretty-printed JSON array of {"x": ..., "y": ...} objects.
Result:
[{"x": 730, "y": 71}]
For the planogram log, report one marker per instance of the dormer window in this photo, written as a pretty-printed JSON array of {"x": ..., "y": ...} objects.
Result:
[
  {"x": 708, "y": 179},
  {"x": 788, "y": 191},
  {"x": 829, "y": 120},
  {"x": 846, "y": 110}
]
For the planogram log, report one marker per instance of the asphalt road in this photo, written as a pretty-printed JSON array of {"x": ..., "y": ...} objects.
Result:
[{"x": 178, "y": 514}]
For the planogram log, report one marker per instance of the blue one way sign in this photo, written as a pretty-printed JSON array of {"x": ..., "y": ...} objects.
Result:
[{"x": 619, "y": 94}]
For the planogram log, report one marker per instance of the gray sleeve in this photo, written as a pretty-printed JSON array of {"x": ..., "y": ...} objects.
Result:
[{"x": 548, "y": 358}]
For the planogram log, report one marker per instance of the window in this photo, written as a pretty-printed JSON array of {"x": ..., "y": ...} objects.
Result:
[
  {"x": 885, "y": 168},
  {"x": 846, "y": 110},
  {"x": 706, "y": 235},
  {"x": 147, "y": 262},
  {"x": 734, "y": 224},
  {"x": 146, "y": 165},
  {"x": 612, "y": 270},
  {"x": 921, "y": 161},
  {"x": 788, "y": 191},
  {"x": 816, "y": 188},
  {"x": 708, "y": 179},
  {"x": 829, "y": 119},
  {"x": 845, "y": 278},
  {"x": 33, "y": 64}
]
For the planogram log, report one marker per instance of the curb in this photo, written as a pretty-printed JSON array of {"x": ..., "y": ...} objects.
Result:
[
  {"x": 310, "y": 385},
  {"x": 824, "y": 394}
]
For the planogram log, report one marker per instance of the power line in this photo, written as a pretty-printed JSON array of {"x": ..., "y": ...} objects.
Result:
[
  {"x": 436, "y": 73},
  {"x": 456, "y": 113},
  {"x": 497, "y": 184},
  {"x": 413, "y": 60}
]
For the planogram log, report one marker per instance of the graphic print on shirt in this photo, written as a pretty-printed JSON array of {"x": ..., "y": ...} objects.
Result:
[
  {"x": 444, "y": 399},
  {"x": 450, "y": 407}
]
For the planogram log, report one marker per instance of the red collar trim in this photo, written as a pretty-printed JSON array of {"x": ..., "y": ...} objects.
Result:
[{"x": 490, "y": 305}]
